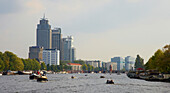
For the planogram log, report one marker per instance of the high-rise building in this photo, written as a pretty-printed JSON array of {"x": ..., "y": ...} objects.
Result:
[
  {"x": 73, "y": 54},
  {"x": 129, "y": 63},
  {"x": 51, "y": 56},
  {"x": 67, "y": 48},
  {"x": 44, "y": 34},
  {"x": 36, "y": 52},
  {"x": 119, "y": 61},
  {"x": 56, "y": 38}
]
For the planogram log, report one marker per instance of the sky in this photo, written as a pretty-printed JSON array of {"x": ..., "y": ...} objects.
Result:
[{"x": 102, "y": 29}]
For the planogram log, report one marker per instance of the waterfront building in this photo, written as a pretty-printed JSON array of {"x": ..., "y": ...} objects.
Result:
[
  {"x": 56, "y": 40},
  {"x": 119, "y": 61},
  {"x": 44, "y": 34},
  {"x": 68, "y": 52},
  {"x": 51, "y": 56},
  {"x": 112, "y": 64},
  {"x": 36, "y": 52},
  {"x": 94, "y": 63},
  {"x": 129, "y": 63},
  {"x": 75, "y": 66}
]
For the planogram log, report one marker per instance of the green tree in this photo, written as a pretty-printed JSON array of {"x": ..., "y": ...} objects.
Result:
[
  {"x": 89, "y": 67},
  {"x": 153, "y": 62},
  {"x": 43, "y": 66},
  {"x": 48, "y": 67},
  {"x": 36, "y": 64},
  {"x": 53, "y": 67},
  {"x": 79, "y": 62},
  {"x": 139, "y": 62},
  {"x": 5, "y": 59},
  {"x": 15, "y": 63},
  {"x": 2, "y": 66},
  {"x": 160, "y": 60},
  {"x": 84, "y": 67},
  {"x": 96, "y": 69}
]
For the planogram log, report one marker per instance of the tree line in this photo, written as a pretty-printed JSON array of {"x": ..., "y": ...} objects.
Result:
[
  {"x": 160, "y": 60},
  {"x": 10, "y": 61}
]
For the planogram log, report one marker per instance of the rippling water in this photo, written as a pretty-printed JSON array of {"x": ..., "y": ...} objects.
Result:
[{"x": 62, "y": 83}]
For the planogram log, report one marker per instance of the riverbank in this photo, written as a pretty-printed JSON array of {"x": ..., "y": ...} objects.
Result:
[{"x": 149, "y": 76}]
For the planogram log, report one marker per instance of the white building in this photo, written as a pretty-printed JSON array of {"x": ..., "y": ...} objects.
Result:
[{"x": 51, "y": 56}]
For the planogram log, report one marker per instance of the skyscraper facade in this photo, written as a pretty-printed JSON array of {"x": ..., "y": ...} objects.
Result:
[
  {"x": 129, "y": 63},
  {"x": 36, "y": 52},
  {"x": 44, "y": 34},
  {"x": 73, "y": 54},
  {"x": 119, "y": 61},
  {"x": 56, "y": 38},
  {"x": 67, "y": 49}
]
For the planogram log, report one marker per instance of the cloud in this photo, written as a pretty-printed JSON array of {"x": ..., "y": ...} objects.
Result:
[
  {"x": 10, "y": 6},
  {"x": 34, "y": 6},
  {"x": 134, "y": 1}
]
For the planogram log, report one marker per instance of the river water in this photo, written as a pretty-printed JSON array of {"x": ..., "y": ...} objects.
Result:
[{"x": 92, "y": 83}]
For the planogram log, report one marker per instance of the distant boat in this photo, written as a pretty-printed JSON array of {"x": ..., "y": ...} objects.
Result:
[
  {"x": 109, "y": 82},
  {"x": 118, "y": 73},
  {"x": 102, "y": 76},
  {"x": 73, "y": 77}
]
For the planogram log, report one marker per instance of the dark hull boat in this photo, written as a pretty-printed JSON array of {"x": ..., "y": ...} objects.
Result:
[
  {"x": 42, "y": 79},
  {"x": 34, "y": 76}
]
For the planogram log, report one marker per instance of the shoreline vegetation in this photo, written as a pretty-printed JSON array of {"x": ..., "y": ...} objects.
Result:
[
  {"x": 10, "y": 62},
  {"x": 157, "y": 68}
]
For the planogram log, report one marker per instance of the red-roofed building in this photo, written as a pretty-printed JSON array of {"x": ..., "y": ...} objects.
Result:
[{"x": 75, "y": 66}]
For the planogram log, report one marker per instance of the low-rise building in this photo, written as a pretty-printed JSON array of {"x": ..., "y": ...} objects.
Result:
[
  {"x": 75, "y": 66},
  {"x": 95, "y": 63}
]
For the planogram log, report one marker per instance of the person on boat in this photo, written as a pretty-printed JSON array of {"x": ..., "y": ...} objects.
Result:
[
  {"x": 38, "y": 72},
  {"x": 44, "y": 73}
]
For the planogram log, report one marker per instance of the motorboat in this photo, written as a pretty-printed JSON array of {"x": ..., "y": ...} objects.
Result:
[
  {"x": 34, "y": 76},
  {"x": 42, "y": 79},
  {"x": 109, "y": 82}
]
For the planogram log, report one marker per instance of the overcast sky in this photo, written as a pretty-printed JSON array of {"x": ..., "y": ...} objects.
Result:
[{"x": 102, "y": 29}]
